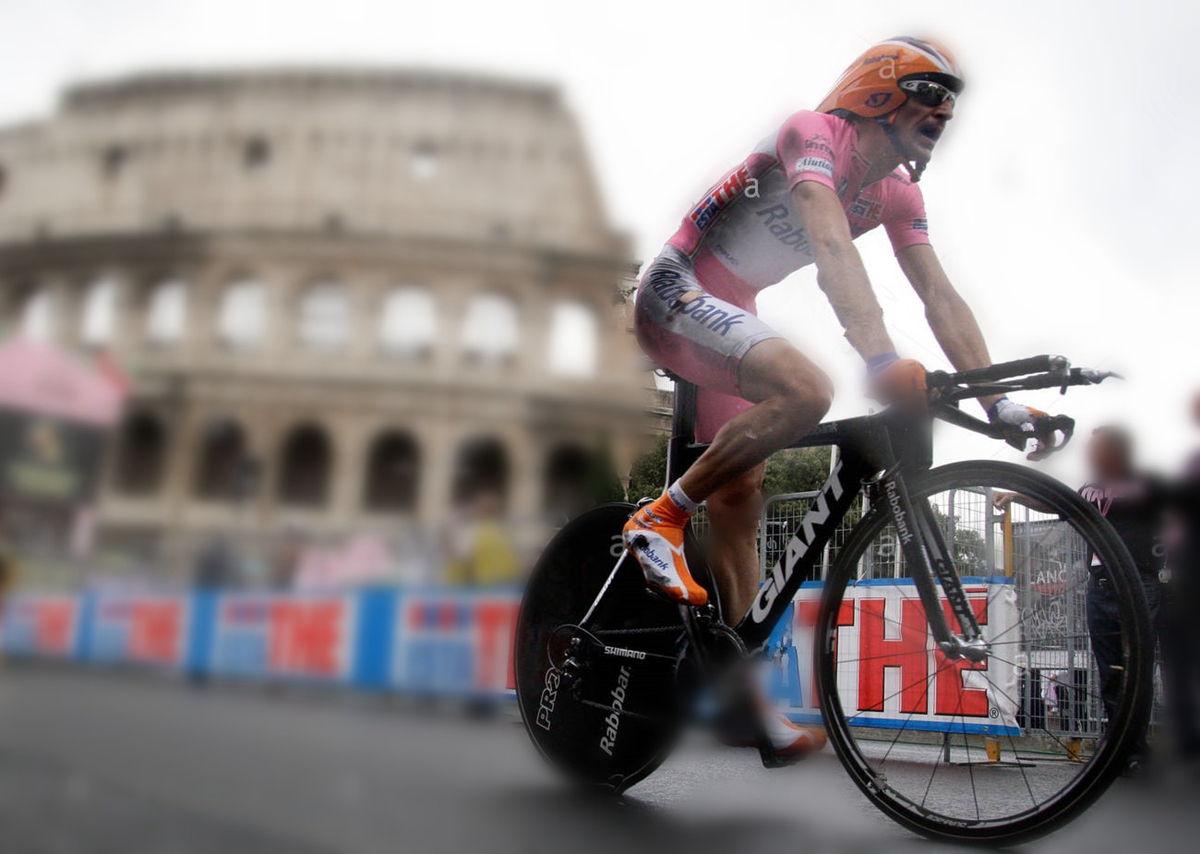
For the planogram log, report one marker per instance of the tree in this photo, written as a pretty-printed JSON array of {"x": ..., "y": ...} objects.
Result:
[
  {"x": 604, "y": 484},
  {"x": 796, "y": 470},
  {"x": 648, "y": 474}
]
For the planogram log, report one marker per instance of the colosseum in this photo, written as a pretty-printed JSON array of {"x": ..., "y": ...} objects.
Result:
[{"x": 343, "y": 298}]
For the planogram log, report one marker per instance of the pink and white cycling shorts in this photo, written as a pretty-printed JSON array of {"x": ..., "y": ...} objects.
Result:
[{"x": 699, "y": 333}]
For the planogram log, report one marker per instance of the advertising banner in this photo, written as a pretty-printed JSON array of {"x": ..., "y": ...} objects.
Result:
[
  {"x": 890, "y": 672},
  {"x": 305, "y": 636},
  {"x": 41, "y": 625},
  {"x": 455, "y": 642},
  {"x": 139, "y": 628}
]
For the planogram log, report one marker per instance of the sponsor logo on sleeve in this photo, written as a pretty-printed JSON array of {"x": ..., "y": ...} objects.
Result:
[
  {"x": 720, "y": 197},
  {"x": 820, "y": 165},
  {"x": 867, "y": 208},
  {"x": 920, "y": 224},
  {"x": 819, "y": 144}
]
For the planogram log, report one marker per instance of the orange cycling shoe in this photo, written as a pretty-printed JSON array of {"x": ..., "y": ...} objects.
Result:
[
  {"x": 654, "y": 536},
  {"x": 788, "y": 741},
  {"x": 792, "y": 742}
]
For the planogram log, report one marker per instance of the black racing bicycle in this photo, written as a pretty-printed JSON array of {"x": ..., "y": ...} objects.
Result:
[{"x": 950, "y": 645}]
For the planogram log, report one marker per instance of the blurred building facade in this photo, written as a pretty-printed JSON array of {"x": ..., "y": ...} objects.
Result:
[{"x": 346, "y": 300}]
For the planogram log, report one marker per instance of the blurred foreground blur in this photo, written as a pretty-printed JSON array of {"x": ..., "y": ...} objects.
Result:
[{"x": 102, "y": 763}]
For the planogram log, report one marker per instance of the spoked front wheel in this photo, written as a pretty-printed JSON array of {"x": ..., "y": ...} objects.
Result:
[{"x": 1011, "y": 747}]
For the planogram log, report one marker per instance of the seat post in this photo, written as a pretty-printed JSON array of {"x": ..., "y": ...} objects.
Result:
[{"x": 683, "y": 429}]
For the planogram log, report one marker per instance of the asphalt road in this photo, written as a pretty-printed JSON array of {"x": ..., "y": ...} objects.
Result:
[{"x": 94, "y": 761}]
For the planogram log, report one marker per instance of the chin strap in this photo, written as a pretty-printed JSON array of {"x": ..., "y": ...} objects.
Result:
[{"x": 913, "y": 168}]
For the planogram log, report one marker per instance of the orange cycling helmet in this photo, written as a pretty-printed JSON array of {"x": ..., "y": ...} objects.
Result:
[
  {"x": 883, "y": 78},
  {"x": 873, "y": 86}
]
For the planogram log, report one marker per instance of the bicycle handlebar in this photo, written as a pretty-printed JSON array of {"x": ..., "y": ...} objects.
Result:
[{"x": 947, "y": 389}]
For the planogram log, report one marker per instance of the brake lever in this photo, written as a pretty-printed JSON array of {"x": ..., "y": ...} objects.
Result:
[{"x": 1019, "y": 439}]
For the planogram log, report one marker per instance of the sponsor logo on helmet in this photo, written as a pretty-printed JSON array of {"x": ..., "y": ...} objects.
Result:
[
  {"x": 877, "y": 100},
  {"x": 882, "y": 57}
]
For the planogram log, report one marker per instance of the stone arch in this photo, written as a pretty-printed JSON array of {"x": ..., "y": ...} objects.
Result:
[
  {"x": 393, "y": 475},
  {"x": 408, "y": 322},
  {"x": 491, "y": 328},
  {"x": 565, "y": 479},
  {"x": 222, "y": 461},
  {"x": 323, "y": 315},
  {"x": 98, "y": 315},
  {"x": 166, "y": 310},
  {"x": 241, "y": 315},
  {"x": 305, "y": 467},
  {"x": 141, "y": 460},
  {"x": 482, "y": 467},
  {"x": 573, "y": 342},
  {"x": 37, "y": 314}
]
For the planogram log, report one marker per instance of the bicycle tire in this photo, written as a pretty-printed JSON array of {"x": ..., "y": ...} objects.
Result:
[
  {"x": 571, "y": 732},
  {"x": 1122, "y": 730}
]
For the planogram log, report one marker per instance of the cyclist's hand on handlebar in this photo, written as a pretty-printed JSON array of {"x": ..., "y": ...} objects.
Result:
[
  {"x": 897, "y": 382},
  {"x": 1023, "y": 423}
]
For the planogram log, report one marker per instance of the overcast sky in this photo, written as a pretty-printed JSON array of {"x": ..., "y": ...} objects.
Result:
[{"x": 1062, "y": 200}]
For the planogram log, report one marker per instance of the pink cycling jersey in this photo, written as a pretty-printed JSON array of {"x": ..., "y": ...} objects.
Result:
[
  {"x": 745, "y": 231},
  {"x": 696, "y": 310}
]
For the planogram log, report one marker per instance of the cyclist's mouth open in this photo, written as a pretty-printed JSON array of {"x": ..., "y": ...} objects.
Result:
[{"x": 927, "y": 136}]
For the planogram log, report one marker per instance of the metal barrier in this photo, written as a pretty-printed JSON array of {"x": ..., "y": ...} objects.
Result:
[{"x": 1048, "y": 564}]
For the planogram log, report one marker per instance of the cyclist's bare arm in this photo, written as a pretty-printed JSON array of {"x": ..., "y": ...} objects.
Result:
[
  {"x": 840, "y": 271},
  {"x": 951, "y": 319}
]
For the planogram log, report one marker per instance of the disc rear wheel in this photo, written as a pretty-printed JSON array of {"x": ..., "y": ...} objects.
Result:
[{"x": 598, "y": 700}]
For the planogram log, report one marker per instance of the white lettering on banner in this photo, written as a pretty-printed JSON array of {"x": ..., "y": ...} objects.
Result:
[{"x": 890, "y": 671}]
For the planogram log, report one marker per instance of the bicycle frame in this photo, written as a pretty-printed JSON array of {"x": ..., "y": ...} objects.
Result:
[{"x": 874, "y": 453}]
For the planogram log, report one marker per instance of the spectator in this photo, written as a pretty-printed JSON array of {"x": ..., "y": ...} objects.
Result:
[
  {"x": 1181, "y": 609},
  {"x": 216, "y": 566},
  {"x": 482, "y": 553},
  {"x": 1135, "y": 504}
]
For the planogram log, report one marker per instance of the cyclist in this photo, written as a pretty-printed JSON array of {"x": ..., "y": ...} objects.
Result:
[{"x": 801, "y": 197}]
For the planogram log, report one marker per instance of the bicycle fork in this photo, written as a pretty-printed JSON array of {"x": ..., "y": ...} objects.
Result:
[{"x": 930, "y": 562}]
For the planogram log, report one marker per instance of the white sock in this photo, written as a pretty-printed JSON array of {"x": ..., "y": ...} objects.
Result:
[{"x": 675, "y": 493}]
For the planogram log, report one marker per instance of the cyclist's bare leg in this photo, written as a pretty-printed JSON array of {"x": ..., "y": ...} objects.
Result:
[
  {"x": 791, "y": 396},
  {"x": 733, "y": 512}
]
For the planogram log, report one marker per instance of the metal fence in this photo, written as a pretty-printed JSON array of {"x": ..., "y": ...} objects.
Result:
[{"x": 1048, "y": 563}]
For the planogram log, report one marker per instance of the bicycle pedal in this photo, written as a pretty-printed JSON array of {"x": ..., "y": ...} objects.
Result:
[{"x": 658, "y": 596}]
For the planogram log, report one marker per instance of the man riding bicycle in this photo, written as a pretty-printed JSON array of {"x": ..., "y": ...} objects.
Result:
[{"x": 801, "y": 197}]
